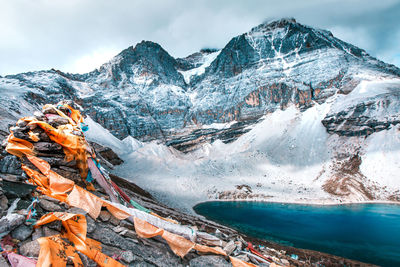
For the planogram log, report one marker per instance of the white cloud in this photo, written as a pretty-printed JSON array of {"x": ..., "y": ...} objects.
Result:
[
  {"x": 357, "y": 36},
  {"x": 44, "y": 34},
  {"x": 90, "y": 61}
]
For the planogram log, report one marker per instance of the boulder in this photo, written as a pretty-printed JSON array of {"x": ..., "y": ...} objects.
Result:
[
  {"x": 49, "y": 205},
  {"x": 230, "y": 247},
  {"x": 91, "y": 225},
  {"x": 127, "y": 256},
  {"x": 10, "y": 164},
  {"x": 37, "y": 233},
  {"x": 30, "y": 249},
  {"x": 56, "y": 120},
  {"x": 49, "y": 232},
  {"x": 10, "y": 222},
  {"x": 3, "y": 203},
  {"x": 22, "y": 232},
  {"x": 76, "y": 210},
  {"x": 209, "y": 261},
  {"x": 47, "y": 146}
]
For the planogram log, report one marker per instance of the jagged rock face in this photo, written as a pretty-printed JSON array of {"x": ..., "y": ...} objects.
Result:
[
  {"x": 147, "y": 61},
  {"x": 353, "y": 122},
  {"x": 275, "y": 65},
  {"x": 379, "y": 110},
  {"x": 145, "y": 93}
]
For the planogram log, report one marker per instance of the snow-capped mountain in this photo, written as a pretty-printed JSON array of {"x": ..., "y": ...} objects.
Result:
[{"x": 288, "y": 110}]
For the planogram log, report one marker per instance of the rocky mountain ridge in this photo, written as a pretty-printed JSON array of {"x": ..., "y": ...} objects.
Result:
[
  {"x": 142, "y": 91},
  {"x": 284, "y": 95}
]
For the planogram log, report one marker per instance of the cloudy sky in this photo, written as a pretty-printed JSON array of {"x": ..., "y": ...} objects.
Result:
[{"x": 79, "y": 35}]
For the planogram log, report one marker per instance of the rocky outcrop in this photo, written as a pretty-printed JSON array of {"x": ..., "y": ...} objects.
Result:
[
  {"x": 191, "y": 141},
  {"x": 363, "y": 118},
  {"x": 347, "y": 180}
]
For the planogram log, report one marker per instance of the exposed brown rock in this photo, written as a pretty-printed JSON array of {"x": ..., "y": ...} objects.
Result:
[{"x": 348, "y": 178}]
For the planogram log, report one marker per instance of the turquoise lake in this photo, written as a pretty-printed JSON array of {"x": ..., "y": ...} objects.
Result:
[{"x": 365, "y": 232}]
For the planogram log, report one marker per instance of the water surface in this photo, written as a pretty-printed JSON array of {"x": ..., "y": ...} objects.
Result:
[{"x": 364, "y": 232}]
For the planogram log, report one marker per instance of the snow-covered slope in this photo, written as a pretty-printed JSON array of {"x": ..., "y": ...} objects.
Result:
[
  {"x": 287, "y": 157},
  {"x": 204, "y": 63},
  {"x": 282, "y": 112}
]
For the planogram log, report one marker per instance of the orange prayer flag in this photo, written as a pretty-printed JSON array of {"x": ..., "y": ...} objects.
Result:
[
  {"x": 19, "y": 147},
  {"x": 239, "y": 263},
  {"x": 85, "y": 200},
  {"x": 205, "y": 249},
  {"x": 75, "y": 231},
  {"x": 116, "y": 212},
  {"x": 145, "y": 229}
]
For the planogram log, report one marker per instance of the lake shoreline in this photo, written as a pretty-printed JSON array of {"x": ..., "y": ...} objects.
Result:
[
  {"x": 309, "y": 229},
  {"x": 317, "y": 203}
]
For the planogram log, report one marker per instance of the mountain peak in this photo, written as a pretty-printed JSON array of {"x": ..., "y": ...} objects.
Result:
[
  {"x": 274, "y": 24},
  {"x": 147, "y": 44},
  {"x": 145, "y": 59},
  {"x": 290, "y": 24},
  {"x": 142, "y": 49},
  {"x": 280, "y": 22}
]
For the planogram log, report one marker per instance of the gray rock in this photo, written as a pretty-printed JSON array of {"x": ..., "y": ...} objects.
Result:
[
  {"x": 253, "y": 259},
  {"x": 13, "y": 177},
  {"x": 114, "y": 221},
  {"x": 50, "y": 198},
  {"x": 49, "y": 205},
  {"x": 56, "y": 162},
  {"x": 22, "y": 124},
  {"x": 17, "y": 189},
  {"x": 91, "y": 225},
  {"x": 77, "y": 211},
  {"x": 22, "y": 232},
  {"x": 127, "y": 256},
  {"x": 47, "y": 146},
  {"x": 131, "y": 234},
  {"x": 138, "y": 262},
  {"x": 57, "y": 120},
  {"x": 127, "y": 224},
  {"x": 230, "y": 247},
  {"x": 38, "y": 115},
  {"x": 49, "y": 232},
  {"x": 10, "y": 164},
  {"x": 86, "y": 261},
  {"x": 243, "y": 257},
  {"x": 30, "y": 249},
  {"x": 56, "y": 225},
  {"x": 209, "y": 261},
  {"x": 3, "y": 203},
  {"x": 10, "y": 222},
  {"x": 156, "y": 253},
  {"x": 50, "y": 110},
  {"x": 37, "y": 233}
]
